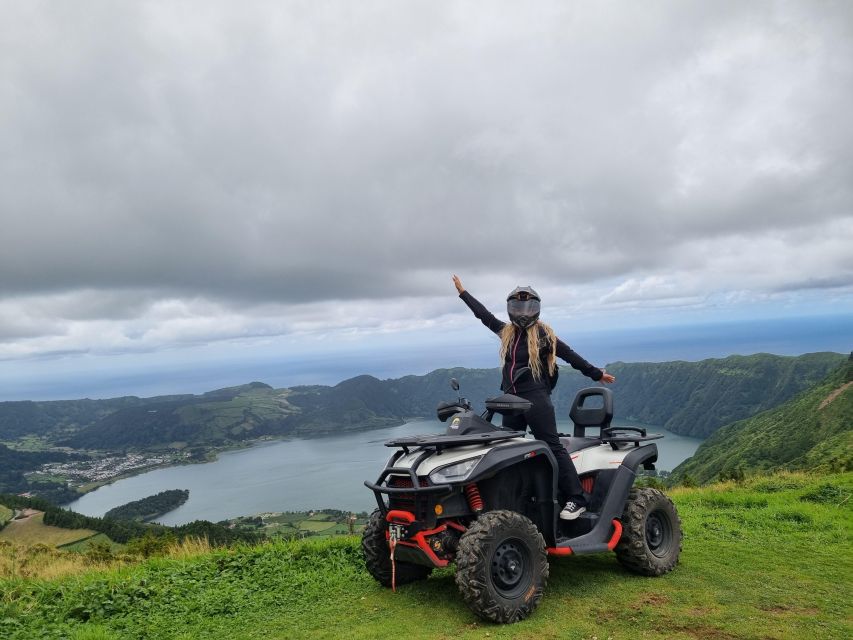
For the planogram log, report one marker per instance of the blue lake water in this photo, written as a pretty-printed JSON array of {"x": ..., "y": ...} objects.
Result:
[{"x": 294, "y": 475}]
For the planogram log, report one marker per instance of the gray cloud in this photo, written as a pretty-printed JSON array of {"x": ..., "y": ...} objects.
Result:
[{"x": 199, "y": 171}]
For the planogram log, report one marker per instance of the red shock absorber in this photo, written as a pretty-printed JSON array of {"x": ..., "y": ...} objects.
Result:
[{"x": 475, "y": 501}]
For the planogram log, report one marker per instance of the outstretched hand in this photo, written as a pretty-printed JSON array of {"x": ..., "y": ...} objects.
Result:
[
  {"x": 606, "y": 377},
  {"x": 458, "y": 283}
]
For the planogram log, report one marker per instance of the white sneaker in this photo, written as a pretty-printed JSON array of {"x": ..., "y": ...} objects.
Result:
[{"x": 571, "y": 511}]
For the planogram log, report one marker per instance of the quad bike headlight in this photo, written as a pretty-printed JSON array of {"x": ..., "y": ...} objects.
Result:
[{"x": 455, "y": 472}]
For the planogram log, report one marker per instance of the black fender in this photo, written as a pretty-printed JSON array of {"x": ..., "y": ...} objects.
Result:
[{"x": 614, "y": 503}]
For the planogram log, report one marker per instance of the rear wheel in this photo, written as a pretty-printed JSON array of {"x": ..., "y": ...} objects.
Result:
[
  {"x": 377, "y": 555},
  {"x": 502, "y": 566},
  {"x": 651, "y": 533}
]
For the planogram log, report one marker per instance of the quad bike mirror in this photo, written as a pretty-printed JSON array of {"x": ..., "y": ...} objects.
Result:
[{"x": 454, "y": 383}]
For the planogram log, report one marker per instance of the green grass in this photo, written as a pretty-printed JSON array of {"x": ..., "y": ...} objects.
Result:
[
  {"x": 83, "y": 545},
  {"x": 30, "y": 442},
  {"x": 5, "y": 515},
  {"x": 314, "y": 525},
  {"x": 304, "y": 524},
  {"x": 771, "y": 559},
  {"x": 286, "y": 518},
  {"x": 321, "y": 517}
]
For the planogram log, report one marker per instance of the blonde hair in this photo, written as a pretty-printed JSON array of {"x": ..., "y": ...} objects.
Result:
[{"x": 508, "y": 335}]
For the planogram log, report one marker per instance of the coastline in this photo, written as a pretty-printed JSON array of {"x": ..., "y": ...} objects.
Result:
[{"x": 212, "y": 454}]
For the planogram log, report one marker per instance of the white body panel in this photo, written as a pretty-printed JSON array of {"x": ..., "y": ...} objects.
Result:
[
  {"x": 598, "y": 458},
  {"x": 448, "y": 456},
  {"x": 586, "y": 460}
]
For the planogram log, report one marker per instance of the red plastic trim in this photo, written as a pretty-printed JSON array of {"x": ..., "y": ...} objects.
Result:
[
  {"x": 559, "y": 551},
  {"x": 617, "y": 533},
  {"x": 400, "y": 516},
  {"x": 455, "y": 525},
  {"x": 423, "y": 545},
  {"x": 420, "y": 541}
]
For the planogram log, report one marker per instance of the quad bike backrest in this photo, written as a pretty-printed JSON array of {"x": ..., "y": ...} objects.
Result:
[{"x": 598, "y": 411}]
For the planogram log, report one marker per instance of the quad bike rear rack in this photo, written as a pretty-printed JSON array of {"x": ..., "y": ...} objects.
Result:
[{"x": 615, "y": 436}]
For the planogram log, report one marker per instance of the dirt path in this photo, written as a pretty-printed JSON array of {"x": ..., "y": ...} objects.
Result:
[
  {"x": 832, "y": 396},
  {"x": 23, "y": 515}
]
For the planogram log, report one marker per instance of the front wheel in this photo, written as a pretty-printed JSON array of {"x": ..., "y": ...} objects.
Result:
[
  {"x": 651, "y": 533},
  {"x": 377, "y": 555},
  {"x": 502, "y": 566}
]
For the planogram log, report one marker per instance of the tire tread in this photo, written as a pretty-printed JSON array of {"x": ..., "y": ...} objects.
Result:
[
  {"x": 473, "y": 570},
  {"x": 632, "y": 552}
]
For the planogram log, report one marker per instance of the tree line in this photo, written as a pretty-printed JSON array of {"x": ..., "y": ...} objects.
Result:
[
  {"x": 124, "y": 531},
  {"x": 151, "y": 507}
]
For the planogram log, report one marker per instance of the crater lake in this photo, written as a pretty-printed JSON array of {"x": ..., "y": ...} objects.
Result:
[{"x": 297, "y": 474}]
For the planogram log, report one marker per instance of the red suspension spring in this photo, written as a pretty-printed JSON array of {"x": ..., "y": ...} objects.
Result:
[{"x": 475, "y": 501}]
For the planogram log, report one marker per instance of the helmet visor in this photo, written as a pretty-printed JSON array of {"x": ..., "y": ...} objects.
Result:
[{"x": 517, "y": 309}]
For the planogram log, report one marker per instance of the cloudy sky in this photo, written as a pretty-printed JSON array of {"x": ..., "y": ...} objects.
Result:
[{"x": 247, "y": 186}]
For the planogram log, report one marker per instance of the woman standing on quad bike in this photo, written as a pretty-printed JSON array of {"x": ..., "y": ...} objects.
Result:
[{"x": 530, "y": 347}]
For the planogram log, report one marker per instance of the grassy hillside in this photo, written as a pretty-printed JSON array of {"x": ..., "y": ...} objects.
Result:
[
  {"x": 213, "y": 419},
  {"x": 301, "y": 524},
  {"x": 5, "y": 515},
  {"x": 32, "y": 530},
  {"x": 769, "y": 559},
  {"x": 812, "y": 431}
]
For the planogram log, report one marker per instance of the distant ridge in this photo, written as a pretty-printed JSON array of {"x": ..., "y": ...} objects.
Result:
[{"x": 691, "y": 398}]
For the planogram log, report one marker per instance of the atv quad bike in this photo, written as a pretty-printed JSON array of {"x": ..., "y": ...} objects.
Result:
[{"x": 485, "y": 498}]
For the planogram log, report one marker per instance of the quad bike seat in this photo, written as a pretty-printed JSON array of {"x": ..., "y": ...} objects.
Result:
[{"x": 573, "y": 444}]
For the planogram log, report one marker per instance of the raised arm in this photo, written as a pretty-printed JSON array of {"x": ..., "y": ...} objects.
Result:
[
  {"x": 565, "y": 352},
  {"x": 477, "y": 307}
]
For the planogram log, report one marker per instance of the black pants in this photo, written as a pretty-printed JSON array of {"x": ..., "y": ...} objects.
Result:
[{"x": 543, "y": 423}]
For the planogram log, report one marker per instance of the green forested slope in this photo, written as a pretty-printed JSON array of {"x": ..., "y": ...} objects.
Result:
[
  {"x": 697, "y": 398},
  {"x": 58, "y": 417},
  {"x": 215, "y": 418},
  {"x": 812, "y": 431}
]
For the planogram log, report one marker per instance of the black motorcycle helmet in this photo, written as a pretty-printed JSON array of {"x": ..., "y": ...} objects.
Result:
[{"x": 522, "y": 305}]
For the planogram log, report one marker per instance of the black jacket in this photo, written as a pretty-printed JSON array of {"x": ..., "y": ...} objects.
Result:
[{"x": 518, "y": 357}]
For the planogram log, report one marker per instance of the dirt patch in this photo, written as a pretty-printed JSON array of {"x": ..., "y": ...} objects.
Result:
[
  {"x": 653, "y": 599},
  {"x": 705, "y": 632},
  {"x": 605, "y": 615},
  {"x": 782, "y": 609},
  {"x": 25, "y": 514},
  {"x": 832, "y": 396}
]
